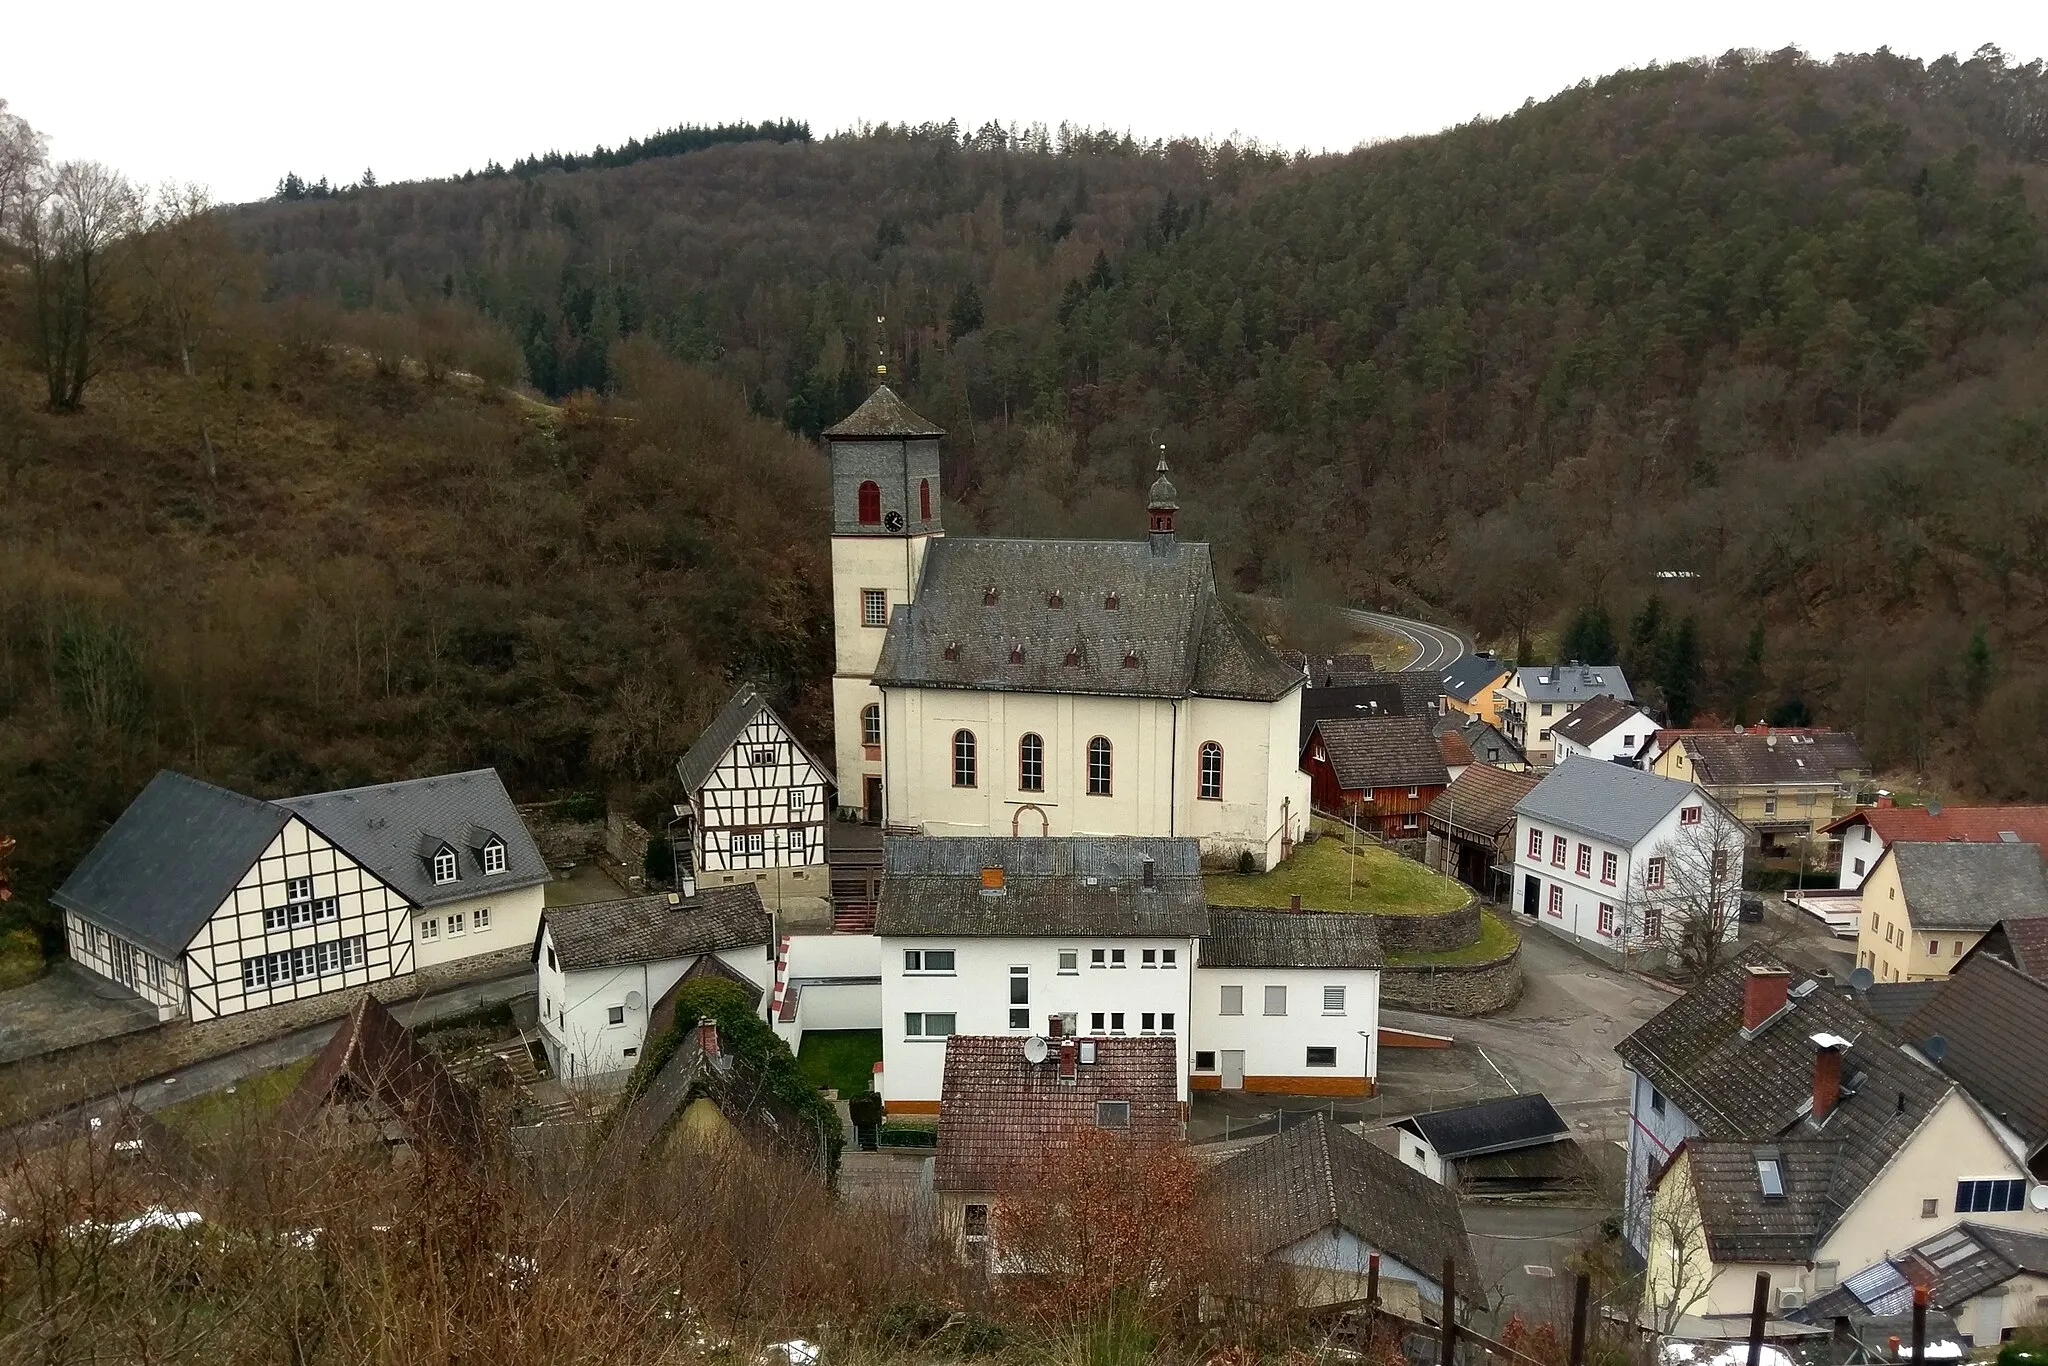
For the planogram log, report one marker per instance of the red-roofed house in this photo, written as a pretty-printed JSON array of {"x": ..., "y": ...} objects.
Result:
[{"x": 1868, "y": 831}]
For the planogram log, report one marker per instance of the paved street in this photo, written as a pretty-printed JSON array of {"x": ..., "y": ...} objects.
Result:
[
  {"x": 1523, "y": 1252},
  {"x": 1434, "y": 646},
  {"x": 65, "y": 1007}
]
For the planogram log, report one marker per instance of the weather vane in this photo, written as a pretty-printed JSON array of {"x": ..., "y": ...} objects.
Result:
[{"x": 881, "y": 348}]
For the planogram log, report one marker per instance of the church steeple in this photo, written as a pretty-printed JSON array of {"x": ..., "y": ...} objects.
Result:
[{"x": 1161, "y": 507}]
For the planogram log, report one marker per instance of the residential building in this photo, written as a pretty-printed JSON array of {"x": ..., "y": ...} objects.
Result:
[
  {"x": 1457, "y": 755},
  {"x": 606, "y": 971},
  {"x": 1010, "y": 1100},
  {"x": 707, "y": 1093},
  {"x": 991, "y": 687},
  {"x": 1321, "y": 1202},
  {"x": 1381, "y": 771},
  {"x": 1925, "y": 905},
  {"x": 1453, "y": 1147},
  {"x": 1865, "y": 832},
  {"x": 1486, "y": 745},
  {"x": 1787, "y": 785},
  {"x": 1471, "y": 686},
  {"x": 1327, "y": 703},
  {"x": 1990, "y": 1018},
  {"x": 1988, "y": 1281},
  {"x": 1538, "y": 696},
  {"x": 375, "y": 1085},
  {"x": 1624, "y": 861},
  {"x": 207, "y": 903},
  {"x": 1471, "y": 828},
  {"x": 757, "y": 801},
  {"x": 2020, "y": 940},
  {"x": 1776, "y": 1127},
  {"x": 1332, "y": 671},
  {"x": 1605, "y": 728},
  {"x": 1286, "y": 1002}
]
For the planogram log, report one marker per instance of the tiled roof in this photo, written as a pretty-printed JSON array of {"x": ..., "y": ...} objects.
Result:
[
  {"x": 1488, "y": 745},
  {"x": 1984, "y": 1009},
  {"x": 1612, "y": 802},
  {"x": 1419, "y": 691},
  {"x": 1729, "y": 758},
  {"x": 1317, "y": 1174},
  {"x": 1377, "y": 699},
  {"x": 1457, "y": 754},
  {"x": 2026, "y": 941},
  {"x": 1893, "y": 1004},
  {"x": 1969, "y": 886},
  {"x": 882, "y": 416},
  {"x": 1742, "y": 1224},
  {"x": 1759, "y": 1090},
  {"x": 1971, "y": 824},
  {"x": 998, "y": 1110},
  {"x": 375, "y": 1059},
  {"x": 985, "y": 617},
  {"x": 1492, "y": 1126},
  {"x": 1244, "y": 937},
  {"x": 1469, "y": 675},
  {"x": 650, "y": 929},
  {"x": 1381, "y": 751},
  {"x": 164, "y": 867},
  {"x": 1572, "y": 682},
  {"x": 1081, "y": 885},
  {"x": 393, "y": 828},
  {"x": 1595, "y": 718},
  {"x": 1482, "y": 799}
]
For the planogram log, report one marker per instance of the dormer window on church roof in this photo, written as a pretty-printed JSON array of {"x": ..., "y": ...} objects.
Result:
[
  {"x": 1110, "y": 602},
  {"x": 1073, "y": 655},
  {"x": 952, "y": 649},
  {"x": 1017, "y": 654},
  {"x": 1130, "y": 659},
  {"x": 1053, "y": 598},
  {"x": 988, "y": 596}
]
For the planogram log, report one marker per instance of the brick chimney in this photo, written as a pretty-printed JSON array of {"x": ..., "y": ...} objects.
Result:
[
  {"x": 1827, "y": 1074},
  {"x": 1058, "y": 1025},
  {"x": 1070, "y": 1056},
  {"x": 707, "y": 1036},
  {"x": 1764, "y": 993},
  {"x": 1884, "y": 800},
  {"x": 1294, "y": 901}
]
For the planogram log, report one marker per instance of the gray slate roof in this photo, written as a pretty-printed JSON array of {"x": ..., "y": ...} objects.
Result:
[
  {"x": 1957, "y": 886},
  {"x": 1787, "y": 758},
  {"x": 1382, "y": 751},
  {"x": 393, "y": 829},
  {"x": 1608, "y": 801},
  {"x": 1083, "y": 885},
  {"x": 1743, "y": 1226},
  {"x": 1597, "y": 717},
  {"x": 1894, "y": 1004},
  {"x": 882, "y": 416},
  {"x": 1168, "y": 635},
  {"x": 1492, "y": 1126},
  {"x": 651, "y": 929},
  {"x": 1465, "y": 676},
  {"x": 1572, "y": 682},
  {"x": 718, "y": 738},
  {"x": 1984, "y": 1009},
  {"x": 1487, "y": 744},
  {"x": 1318, "y": 1174},
  {"x": 1246, "y": 937},
  {"x": 163, "y": 868},
  {"x": 1377, "y": 699}
]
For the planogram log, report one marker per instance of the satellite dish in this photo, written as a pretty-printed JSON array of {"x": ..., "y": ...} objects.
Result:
[
  {"x": 2038, "y": 1197},
  {"x": 1936, "y": 1048},
  {"x": 1036, "y": 1050},
  {"x": 633, "y": 1000},
  {"x": 1934, "y": 808},
  {"x": 1861, "y": 979}
]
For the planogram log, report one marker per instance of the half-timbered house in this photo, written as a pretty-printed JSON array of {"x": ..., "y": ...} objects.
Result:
[{"x": 756, "y": 800}]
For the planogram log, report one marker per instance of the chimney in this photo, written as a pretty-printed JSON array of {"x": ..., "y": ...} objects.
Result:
[
  {"x": 1057, "y": 1025},
  {"x": 1070, "y": 1054},
  {"x": 1884, "y": 800},
  {"x": 1294, "y": 901},
  {"x": 1764, "y": 993},
  {"x": 1827, "y": 1074},
  {"x": 689, "y": 883},
  {"x": 707, "y": 1036}
]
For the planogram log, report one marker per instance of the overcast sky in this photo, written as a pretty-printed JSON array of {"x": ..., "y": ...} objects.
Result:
[{"x": 234, "y": 93}]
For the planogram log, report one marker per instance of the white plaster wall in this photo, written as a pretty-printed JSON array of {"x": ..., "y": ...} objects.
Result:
[
  {"x": 1417, "y": 1153},
  {"x": 890, "y": 563},
  {"x": 575, "y": 1006},
  {"x": 1277, "y": 1046},
  {"x": 1652, "y": 1139},
  {"x": 1858, "y": 842},
  {"x": 121, "y": 960},
  {"x": 834, "y": 955},
  {"x": 1339, "y": 1249},
  {"x": 515, "y": 919}
]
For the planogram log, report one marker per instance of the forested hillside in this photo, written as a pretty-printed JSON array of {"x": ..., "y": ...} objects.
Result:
[{"x": 1770, "y": 322}]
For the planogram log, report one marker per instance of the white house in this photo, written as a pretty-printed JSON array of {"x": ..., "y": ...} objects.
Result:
[
  {"x": 1623, "y": 860},
  {"x": 1287, "y": 1002},
  {"x": 1605, "y": 728},
  {"x": 606, "y": 972},
  {"x": 1868, "y": 831},
  {"x": 1538, "y": 696},
  {"x": 208, "y": 903},
  {"x": 1441, "y": 1142},
  {"x": 990, "y": 687},
  {"x": 757, "y": 801}
]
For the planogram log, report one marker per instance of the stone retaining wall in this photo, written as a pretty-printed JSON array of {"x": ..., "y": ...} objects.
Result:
[
  {"x": 1437, "y": 933},
  {"x": 1462, "y": 989}
]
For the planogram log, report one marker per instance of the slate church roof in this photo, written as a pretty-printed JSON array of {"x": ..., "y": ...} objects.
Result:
[
  {"x": 882, "y": 417},
  {"x": 1080, "y": 885}
]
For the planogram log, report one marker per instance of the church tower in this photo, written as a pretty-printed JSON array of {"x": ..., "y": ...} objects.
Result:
[{"x": 885, "y": 510}]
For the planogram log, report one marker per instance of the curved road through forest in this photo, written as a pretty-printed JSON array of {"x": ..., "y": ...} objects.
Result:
[{"x": 1435, "y": 647}]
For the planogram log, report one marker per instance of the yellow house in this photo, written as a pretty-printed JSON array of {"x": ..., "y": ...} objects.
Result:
[
  {"x": 1787, "y": 785},
  {"x": 1926, "y": 905},
  {"x": 1471, "y": 686}
]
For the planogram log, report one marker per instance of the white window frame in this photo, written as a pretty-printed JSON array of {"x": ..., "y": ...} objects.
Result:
[
  {"x": 799, "y": 803},
  {"x": 494, "y": 857},
  {"x": 917, "y": 963},
  {"x": 1070, "y": 962},
  {"x": 1231, "y": 1001},
  {"x": 447, "y": 867},
  {"x": 480, "y": 920},
  {"x": 1275, "y": 994},
  {"x": 430, "y": 928},
  {"x": 454, "y": 925},
  {"x": 1209, "y": 772},
  {"x": 874, "y": 607},
  {"x": 1333, "y": 1000},
  {"x": 917, "y": 1024}
]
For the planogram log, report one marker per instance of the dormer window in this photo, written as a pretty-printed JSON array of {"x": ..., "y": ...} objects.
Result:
[
  {"x": 952, "y": 650},
  {"x": 445, "y": 866},
  {"x": 1016, "y": 654},
  {"x": 1110, "y": 603},
  {"x": 1073, "y": 656},
  {"x": 988, "y": 596},
  {"x": 494, "y": 857},
  {"x": 1053, "y": 599},
  {"x": 1130, "y": 659}
]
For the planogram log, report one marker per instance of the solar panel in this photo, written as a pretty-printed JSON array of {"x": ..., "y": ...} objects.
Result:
[{"x": 1960, "y": 1254}]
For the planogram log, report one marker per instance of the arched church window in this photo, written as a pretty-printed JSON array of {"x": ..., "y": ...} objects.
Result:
[
  {"x": 1031, "y": 764},
  {"x": 964, "y": 774},
  {"x": 1098, "y": 767},
  {"x": 870, "y": 503},
  {"x": 924, "y": 499}
]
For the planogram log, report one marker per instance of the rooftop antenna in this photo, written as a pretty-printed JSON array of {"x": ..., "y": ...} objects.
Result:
[{"x": 881, "y": 349}]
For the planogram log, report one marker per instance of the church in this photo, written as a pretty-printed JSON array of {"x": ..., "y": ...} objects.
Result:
[{"x": 990, "y": 686}]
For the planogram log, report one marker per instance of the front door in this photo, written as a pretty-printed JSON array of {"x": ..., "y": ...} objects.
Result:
[
  {"x": 1530, "y": 888},
  {"x": 871, "y": 798},
  {"x": 1233, "y": 1069}
]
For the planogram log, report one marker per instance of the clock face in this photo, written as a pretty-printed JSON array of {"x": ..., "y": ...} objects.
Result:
[{"x": 893, "y": 521}]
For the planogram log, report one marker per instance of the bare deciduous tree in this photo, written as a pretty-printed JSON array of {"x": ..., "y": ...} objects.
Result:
[
  {"x": 21, "y": 165},
  {"x": 1685, "y": 895},
  {"x": 189, "y": 260},
  {"x": 1679, "y": 1270},
  {"x": 73, "y": 224}
]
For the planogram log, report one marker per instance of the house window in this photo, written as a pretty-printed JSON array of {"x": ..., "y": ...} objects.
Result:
[
  {"x": 1166, "y": 1022},
  {"x": 963, "y": 758},
  {"x": 1546, "y": 709},
  {"x": 1098, "y": 958},
  {"x": 1608, "y": 864},
  {"x": 1930, "y": 1209},
  {"x": 1535, "y": 843},
  {"x": 870, "y": 500},
  {"x": 298, "y": 889},
  {"x": 551, "y": 963},
  {"x": 1116, "y": 958},
  {"x": 874, "y": 607},
  {"x": 1558, "y": 846},
  {"x": 1656, "y": 1101},
  {"x": 797, "y": 804},
  {"x": 1233, "y": 1001},
  {"x": 928, "y": 960},
  {"x": 1770, "y": 806},
  {"x": 1095, "y": 1022},
  {"x": 1031, "y": 763},
  {"x": 1116, "y": 1022},
  {"x": 494, "y": 857},
  {"x": 924, "y": 500},
  {"x": 1112, "y": 1114},
  {"x": 1333, "y": 1000},
  {"x": 1098, "y": 767},
  {"x": 1689, "y": 815},
  {"x": 1148, "y": 958},
  {"x": 1606, "y": 918},
  {"x": 974, "y": 1223},
  {"x": 1322, "y": 1057},
  {"x": 1020, "y": 998},
  {"x": 871, "y": 725},
  {"x": 1070, "y": 960},
  {"x": 614, "y": 1015},
  {"x": 1770, "y": 1178},
  {"x": 454, "y": 923},
  {"x": 430, "y": 928},
  {"x": 1413, "y": 793},
  {"x": 1411, "y": 821},
  {"x": 1168, "y": 957},
  {"x": 1859, "y": 867},
  {"x": 1585, "y": 868},
  {"x": 1720, "y": 864},
  {"x": 444, "y": 865},
  {"x": 933, "y": 1024},
  {"x": 1147, "y": 1022},
  {"x": 1210, "y": 788},
  {"x": 1205, "y": 1061},
  {"x": 1990, "y": 1197},
  {"x": 1557, "y": 901},
  {"x": 1276, "y": 1000},
  {"x": 1653, "y": 873},
  {"x": 1653, "y": 924}
]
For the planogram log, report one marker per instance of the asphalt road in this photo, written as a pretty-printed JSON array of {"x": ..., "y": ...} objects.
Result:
[{"x": 1435, "y": 647}]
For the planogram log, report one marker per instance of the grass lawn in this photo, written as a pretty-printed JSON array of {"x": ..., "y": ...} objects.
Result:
[
  {"x": 217, "y": 1112},
  {"x": 1324, "y": 876},
  {"x": 1496, "y": 937},
  {"x": 21, "y": 956},
  {"x": 841, "y": 1059}
]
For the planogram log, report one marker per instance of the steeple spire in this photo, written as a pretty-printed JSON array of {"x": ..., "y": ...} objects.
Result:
[{"x": 1161, "y": 506}]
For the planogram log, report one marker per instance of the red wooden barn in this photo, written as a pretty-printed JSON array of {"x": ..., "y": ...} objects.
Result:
[{"x": 1388, "y": 767}]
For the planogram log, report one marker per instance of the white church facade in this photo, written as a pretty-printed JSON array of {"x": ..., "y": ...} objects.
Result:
[{"x": 1018, "y": 687}]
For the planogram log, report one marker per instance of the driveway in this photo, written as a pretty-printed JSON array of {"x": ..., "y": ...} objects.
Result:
[
  {"x": 1523, "y": 1252},
  {"x": 65, "y": 1007}
]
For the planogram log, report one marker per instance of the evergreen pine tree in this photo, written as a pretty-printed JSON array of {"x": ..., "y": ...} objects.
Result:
[
  {"x": 1590, "y": 638},
  {"x": 1749, "y": 679},
  {"x": 1978, "y": 666},
  {"x": 965, "y": 316},
  {"x": 1678, "y": 671},
  {"x": 1645, "y": 632}
]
